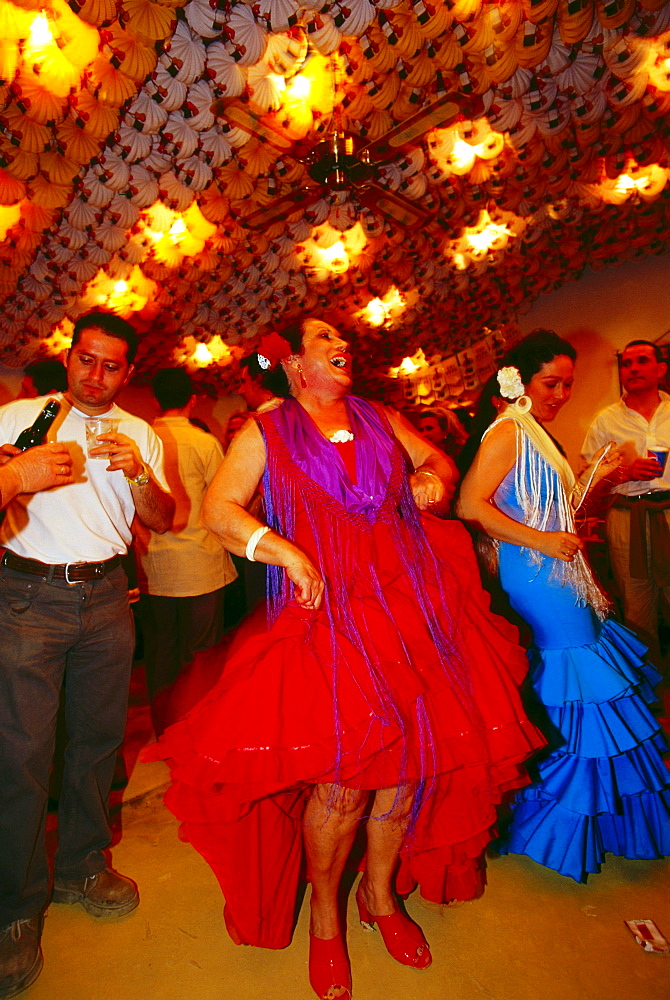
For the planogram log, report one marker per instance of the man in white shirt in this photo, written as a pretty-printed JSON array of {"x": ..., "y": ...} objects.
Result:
[
  {"x": 182, "y": 573},
  {"x": 65, "y": 619},
  {"x": 638, "y": 522}
]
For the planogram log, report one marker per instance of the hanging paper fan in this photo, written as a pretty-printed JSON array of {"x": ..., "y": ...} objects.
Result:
[
  {"x": 247, "y": 38},
  {"x": 148, "y": 21},
  {"x": 184, "y": 54},
  {"x": 134, "y": 57},
  {"x": 97, "y": 12},
  {"x": 75, "y": 143}
]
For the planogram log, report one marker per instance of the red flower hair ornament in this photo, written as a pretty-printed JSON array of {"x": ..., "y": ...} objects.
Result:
[{"x": 272, "y": 349}]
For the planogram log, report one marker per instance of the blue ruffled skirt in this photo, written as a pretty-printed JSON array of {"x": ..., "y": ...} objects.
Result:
[{"x": 602, "y": 784}]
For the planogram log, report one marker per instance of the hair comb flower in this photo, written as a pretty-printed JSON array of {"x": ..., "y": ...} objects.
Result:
[
  {"x": 509, "y": 380},
  {"x": 272, "y": 349}
]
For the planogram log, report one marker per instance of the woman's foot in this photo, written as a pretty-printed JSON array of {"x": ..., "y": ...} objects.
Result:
[
  {"x": 403, "y": 938},
  {"x": 329, "y": 969}
]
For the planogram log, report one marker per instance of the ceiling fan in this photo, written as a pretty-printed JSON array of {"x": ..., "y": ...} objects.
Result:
[{"x": 341, "y": 161}]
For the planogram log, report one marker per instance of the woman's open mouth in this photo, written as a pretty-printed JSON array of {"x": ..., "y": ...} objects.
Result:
[{"x": 340, "y": 361}]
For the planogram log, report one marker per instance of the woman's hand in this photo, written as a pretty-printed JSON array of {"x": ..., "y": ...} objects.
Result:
[
  {"x": 307, "y": 581},
  {"x": 559, "y": 545},
  {"x": 610, "y": 459},
  {"x": 427, "y": 489}
]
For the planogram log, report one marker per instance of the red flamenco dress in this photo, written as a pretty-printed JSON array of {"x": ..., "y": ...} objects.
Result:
[{"x": 403, "y": 675}]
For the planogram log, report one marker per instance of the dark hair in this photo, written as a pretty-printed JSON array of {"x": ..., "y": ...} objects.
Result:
[
  {"x": 275, "y": 378},
  {"x": 486, "y": 411},
  {"x": 658, "y": 354},
  {"x": 112, "y": 325},
  {"x": 536, "y": 350},
  {"x": 251, "y": 364},
  {"x": 172, "y": 388},
  {"x": 48, "y": 375},
  {"x": 485, "y": 414},
  {"x": 197, "y": 422},
  {"x": 435, "y": 415}
]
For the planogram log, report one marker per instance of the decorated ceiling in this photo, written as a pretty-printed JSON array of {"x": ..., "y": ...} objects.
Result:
[{"x": 422, "y": 171}]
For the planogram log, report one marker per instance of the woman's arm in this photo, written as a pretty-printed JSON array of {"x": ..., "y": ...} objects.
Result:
[
  {"x": 224, "y": 514},
  {"x": 435, "y": 474},
  {"x": 496, "y": 456}
]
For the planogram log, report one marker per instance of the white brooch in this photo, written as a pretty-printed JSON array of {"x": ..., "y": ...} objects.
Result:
[
  {"x": 341, "y": 437},
  {"x": 263, "y": 362},
  {"x": 509, "y": 380}
]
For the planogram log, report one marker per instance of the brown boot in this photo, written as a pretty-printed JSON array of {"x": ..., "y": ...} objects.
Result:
[
  {"x": 105, "y": 894},
  {"x": 20, "y": 956}
]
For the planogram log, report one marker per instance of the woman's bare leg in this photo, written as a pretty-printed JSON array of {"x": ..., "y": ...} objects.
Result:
[
  {"x": 385, "y": 832},
  {"x": 329, "y": 828}
]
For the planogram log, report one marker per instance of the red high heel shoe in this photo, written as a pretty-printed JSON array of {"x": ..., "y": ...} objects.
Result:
[
  {"x": 329, "y": 968},
  {"x": 403, "y": 938}
]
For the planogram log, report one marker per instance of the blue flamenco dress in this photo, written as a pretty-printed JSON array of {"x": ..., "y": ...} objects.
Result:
[{"x": 601, "y": 785}]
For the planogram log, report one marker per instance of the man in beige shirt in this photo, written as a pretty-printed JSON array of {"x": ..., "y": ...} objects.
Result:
[{"x": 181, "y": 574}]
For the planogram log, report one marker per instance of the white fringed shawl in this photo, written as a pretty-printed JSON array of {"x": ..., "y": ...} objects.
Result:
[{"x": 544, "y": 485}]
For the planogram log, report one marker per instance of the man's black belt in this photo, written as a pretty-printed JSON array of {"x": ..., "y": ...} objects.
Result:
[{"x": 70, "y": 572}]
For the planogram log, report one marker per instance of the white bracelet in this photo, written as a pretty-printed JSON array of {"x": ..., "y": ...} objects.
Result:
[{"x": 254, "y": 540}]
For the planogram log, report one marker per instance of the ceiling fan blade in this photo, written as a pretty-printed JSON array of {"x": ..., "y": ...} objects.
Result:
[
  {"x": 440, "y": 114},
  {"x": 281, "y": 208},
  {"x": 248, "y": 117},
  {"x": 392, "y": 205}
]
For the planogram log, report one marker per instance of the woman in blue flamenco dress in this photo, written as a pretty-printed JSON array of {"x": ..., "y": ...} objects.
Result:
[
  {"x": 381, "y": 689},
  {"x": 601, "y": 785}
]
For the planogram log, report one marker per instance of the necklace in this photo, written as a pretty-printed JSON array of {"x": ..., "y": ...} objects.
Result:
[{"x": 341, "y": 437}]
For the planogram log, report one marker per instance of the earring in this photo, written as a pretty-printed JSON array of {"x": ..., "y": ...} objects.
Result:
[
  {"x": 303, "y": 380},
  {"x": 522, "y": 404}
]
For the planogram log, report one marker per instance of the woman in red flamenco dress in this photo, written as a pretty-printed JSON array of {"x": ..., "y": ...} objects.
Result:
[{"x": 383, "y": 688}]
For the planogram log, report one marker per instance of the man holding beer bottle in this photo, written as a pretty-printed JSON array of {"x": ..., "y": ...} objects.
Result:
[{"x": 65, "y": 620}]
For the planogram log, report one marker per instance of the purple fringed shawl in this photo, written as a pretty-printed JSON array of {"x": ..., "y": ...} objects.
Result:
[
  {"x": 334, "y": 505},
  {"x": 321, "y": 460}
]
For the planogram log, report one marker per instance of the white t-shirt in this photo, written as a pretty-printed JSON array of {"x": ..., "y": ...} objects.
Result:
[
  {"x": 85, "y": 521},
  {"x": 633, "y": 435}
]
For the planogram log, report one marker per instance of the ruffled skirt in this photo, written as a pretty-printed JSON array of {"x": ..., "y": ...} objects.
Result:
[
  {"x": 302, "y": 703},
  {"x": 602, "y": 785}
]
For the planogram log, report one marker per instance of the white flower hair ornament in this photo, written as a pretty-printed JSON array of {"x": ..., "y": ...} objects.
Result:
[
  {"x": 511, "y": 387},
  {"x": 509, "y": 380},
  {"x": 263, "y": 362}
]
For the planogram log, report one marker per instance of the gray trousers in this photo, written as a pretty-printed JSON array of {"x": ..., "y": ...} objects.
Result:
[{"x": 54, "y": 634}]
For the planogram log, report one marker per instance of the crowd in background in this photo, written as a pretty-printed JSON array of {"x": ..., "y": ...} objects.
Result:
[{"x": 164, "y": 489}]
